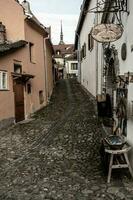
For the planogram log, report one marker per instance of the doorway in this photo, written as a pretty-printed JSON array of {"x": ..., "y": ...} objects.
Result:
[{"x": 19, "y": 101}]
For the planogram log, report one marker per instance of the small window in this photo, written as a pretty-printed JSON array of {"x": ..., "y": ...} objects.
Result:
[
  {"x": 3, "y": 80},
  {"x": 29, "y": 88},
  {"x": 41, "y": 97},
  {"x": 90, "y": 42},
  {"x": 74, "y": 66},
  {"x": 17, "y": 68},
  {"x": 83, "y": 53},
  {"x": 32, "y": 53},
  {"x": 58, "y": 52},
  {"x": 84, "y": 50}
]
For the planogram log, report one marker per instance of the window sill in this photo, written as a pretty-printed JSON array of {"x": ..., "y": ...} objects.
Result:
[
  {"x": 4, "y": 90},
  {"x": 32, "y": 62}
]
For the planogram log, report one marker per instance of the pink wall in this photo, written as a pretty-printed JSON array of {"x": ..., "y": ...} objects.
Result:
[
  {"x": 7, "y": 97},
  {"x": 37, "y": 68},
  {"x": 20, "y": 29},
  {"x": 12, "y": 15}
]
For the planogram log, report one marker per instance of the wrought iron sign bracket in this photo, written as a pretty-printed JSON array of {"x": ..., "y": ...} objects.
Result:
[{"x": 109, "y": 6}]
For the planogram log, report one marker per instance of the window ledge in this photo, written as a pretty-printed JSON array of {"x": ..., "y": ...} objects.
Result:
[
  {"x": 4, "y": 90},
  {"x": 32, "y": 62}
]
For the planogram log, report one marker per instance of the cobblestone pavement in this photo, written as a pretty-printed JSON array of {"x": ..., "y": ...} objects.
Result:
[{"x": 56, "y": 156}]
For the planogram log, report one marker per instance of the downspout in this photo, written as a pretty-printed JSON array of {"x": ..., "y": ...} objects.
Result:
[
  {"x": 45, "y": 68},
  {"x": 97, "y": 55},
  {"x": 79, "y": 57}
]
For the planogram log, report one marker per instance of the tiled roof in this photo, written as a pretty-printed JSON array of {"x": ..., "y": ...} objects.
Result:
[
  {"x": 64, "y": 48},
  {"x": 10, "y": 47}
]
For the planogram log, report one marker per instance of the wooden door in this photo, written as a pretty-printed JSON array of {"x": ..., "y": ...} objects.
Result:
[{"x": 19, "y": 101}]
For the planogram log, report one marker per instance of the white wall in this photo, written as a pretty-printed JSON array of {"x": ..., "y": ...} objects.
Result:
[
  {"x": 60, "y": 61},
  {"x": 68, "y": 67},
  {"x": 88, "y": 64}
]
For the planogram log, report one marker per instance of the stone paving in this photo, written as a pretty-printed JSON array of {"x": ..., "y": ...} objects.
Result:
[{"x": 56, "y": 155}]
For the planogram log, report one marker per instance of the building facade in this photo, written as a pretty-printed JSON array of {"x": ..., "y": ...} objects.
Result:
[
  {"x": 106, "y": 69},
  {"x": 119, "y": 72},
  {"x": 71, "y": 66},
  {"x": 23, "y": 71}
]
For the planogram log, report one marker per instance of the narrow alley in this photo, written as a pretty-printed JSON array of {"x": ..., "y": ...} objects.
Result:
[{"x": 55, "y": 156}]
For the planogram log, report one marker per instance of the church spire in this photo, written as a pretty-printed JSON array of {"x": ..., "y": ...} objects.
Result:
[{"x": 61, "y": 35}]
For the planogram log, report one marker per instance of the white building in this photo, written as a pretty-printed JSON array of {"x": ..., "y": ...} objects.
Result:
[
  {"x": 88, "y": 49},
  {"x": 124, "y": 65},
  {"x": 108, "y": 68},
  {"x": 71, "y": 66}
]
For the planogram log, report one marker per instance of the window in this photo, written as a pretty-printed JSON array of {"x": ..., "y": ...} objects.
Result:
[
  {"x": 32, "y": 53},
  {"x": 83, "y": 51},
  {"x": 74, "y": 66},
  {"x": 41, "y": 97},
  {"x": 29, "y": 88},
  {"x": 3, "y": 80},
  {"x": 17, "y": 68},
  {"x": 90, "y": 42},
  {"x": 58, "y": 52}
]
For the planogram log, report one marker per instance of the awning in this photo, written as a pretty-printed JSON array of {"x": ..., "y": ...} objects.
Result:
[{"x": 22, "y": 77}]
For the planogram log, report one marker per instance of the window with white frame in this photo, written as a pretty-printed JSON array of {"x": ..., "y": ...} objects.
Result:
[
  {"x": 3, "y": 80},
  {"x": 74, "y": 66}
]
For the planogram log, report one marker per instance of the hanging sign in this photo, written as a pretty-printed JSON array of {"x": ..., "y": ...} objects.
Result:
[{"x": 106, "y": 32}]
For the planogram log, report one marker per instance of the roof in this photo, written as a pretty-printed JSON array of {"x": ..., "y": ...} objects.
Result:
[
  {"x": 10, "y": 47},
  {"x": 31, "y": 17},
  {"x": 32, "y": 21},
  {"x": 64, "y": 48},
  {"x": 82, "y": 16},
  {"x": 23, "y": 77},
  {"x": 72, "y": 56}
]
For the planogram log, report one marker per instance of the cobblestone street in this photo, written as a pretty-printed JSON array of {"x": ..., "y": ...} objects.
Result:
[{"x": 55, "y": 156}]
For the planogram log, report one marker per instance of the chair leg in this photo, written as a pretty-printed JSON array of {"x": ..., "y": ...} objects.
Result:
[
  {"x": 110, "y": 168},
  {"x": 129, "y": 166}
]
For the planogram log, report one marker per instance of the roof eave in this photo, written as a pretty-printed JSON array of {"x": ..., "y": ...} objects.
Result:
[
  {"x": 13, "y": 48},
  {"x": 82, "y": 16},
  {"x": 34, "y": 24}
]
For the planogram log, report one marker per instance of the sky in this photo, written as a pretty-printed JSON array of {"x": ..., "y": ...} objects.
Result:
[{"x": 51, "y": 12}]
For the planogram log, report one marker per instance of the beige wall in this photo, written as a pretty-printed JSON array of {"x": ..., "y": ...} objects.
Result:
[{"x": 12, "y": 15}]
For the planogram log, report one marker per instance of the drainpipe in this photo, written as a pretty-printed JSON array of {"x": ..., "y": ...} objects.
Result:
[
  {"x": 97, "y": 55},
  {"x": 45, "y": 68},
  {"x": 79, "y": 57}
]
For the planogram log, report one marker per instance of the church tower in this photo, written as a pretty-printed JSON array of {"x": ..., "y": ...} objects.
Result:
[{"x": 61, "y": 36}]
